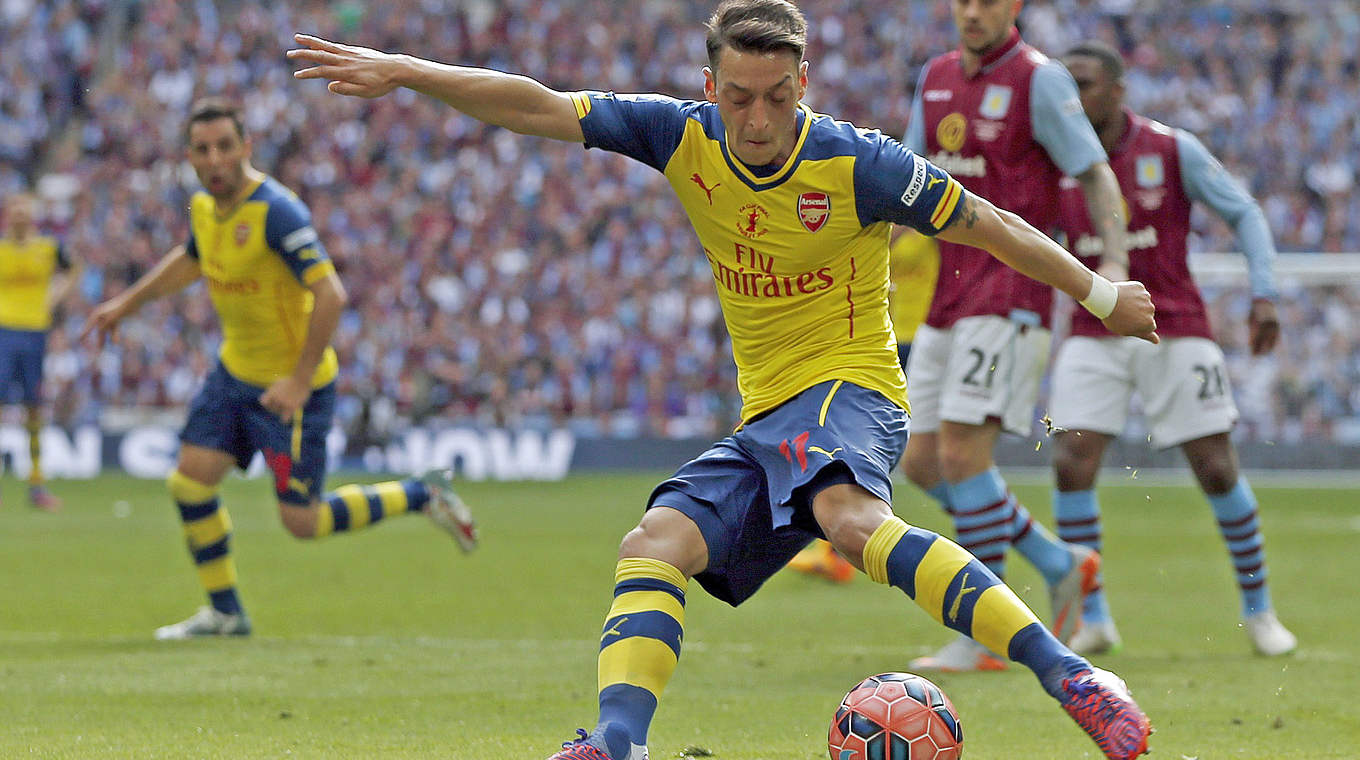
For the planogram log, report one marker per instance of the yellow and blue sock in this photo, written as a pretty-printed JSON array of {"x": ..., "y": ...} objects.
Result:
[
  {"x": 34, "y": 427},
  {"x": 1240, "y": 525},
  {"x": 354, "y": 507},
  {"x": 960, "y": 592},
  {"x": 1077, "y": 514},
  {"x": 207, "y": 528},
  {"x": 639, "y": 648}
]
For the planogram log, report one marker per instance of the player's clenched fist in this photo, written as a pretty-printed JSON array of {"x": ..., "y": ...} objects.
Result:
[{"x": 1133, "y": 312}]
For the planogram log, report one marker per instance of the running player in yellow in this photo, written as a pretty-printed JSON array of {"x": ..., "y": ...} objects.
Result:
[
  {"x": 35, "y": 275},
  {"x": 793, "y": 211},
  {"x": 279, "y": 299}
]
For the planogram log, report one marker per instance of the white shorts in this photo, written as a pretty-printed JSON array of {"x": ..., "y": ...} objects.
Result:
[
  {"x": 1183, "y": 384},
  {"x": 980, "y": 368}
]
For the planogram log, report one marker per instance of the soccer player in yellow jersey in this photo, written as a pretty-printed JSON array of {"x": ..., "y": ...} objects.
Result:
[
  {"x": 35, "y": 276},
  {"x": 279, "y": 299},
  {"x": 793, "y": 211}
]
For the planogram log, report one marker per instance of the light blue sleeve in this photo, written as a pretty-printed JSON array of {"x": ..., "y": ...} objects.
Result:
[
  {"x": 915, "y": 138},
  {"x": 1205, "y": 180},
  {"x": 1059, "y": 123}
]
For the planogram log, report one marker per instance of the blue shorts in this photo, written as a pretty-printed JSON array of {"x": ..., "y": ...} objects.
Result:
[
  {"x": 751, "y": 493},
  {"x": 226, "y": 416},
  {"x": 21, "y": 365}
]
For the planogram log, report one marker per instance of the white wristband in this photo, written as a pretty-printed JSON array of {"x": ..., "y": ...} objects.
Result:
[{"x": 1101, "y": 300}]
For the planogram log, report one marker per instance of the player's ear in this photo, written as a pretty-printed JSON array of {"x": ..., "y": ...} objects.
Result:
[
  {"x": 710, "y": 85},
  {"x": 802, "y": 79}
]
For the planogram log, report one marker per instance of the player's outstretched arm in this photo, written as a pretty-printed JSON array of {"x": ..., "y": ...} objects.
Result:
[
  {"x": 1124, "y": 307},
  {"x": 505, "y": 100},
  {"x": 170, "y": 275},
  {"x": 1105, "y": 209}
]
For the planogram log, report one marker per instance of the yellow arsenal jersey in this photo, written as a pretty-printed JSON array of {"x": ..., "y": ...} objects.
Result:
[
  {"x": 799, "y": 252},
  {"x": 258, "y": 262},
  {"x": 26, "y": 271}
]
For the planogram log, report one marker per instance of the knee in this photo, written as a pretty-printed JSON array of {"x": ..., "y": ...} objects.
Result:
[
  {"x": 959, "y": 462},
  {"x": 1217, "y": 475},
  {"x": 849, "y": 515},
  {"x": 300, "y": 522},
  {"x": 1074, "y": 468},
  {"x": 670, "y": 536},
  {"x": 920, "y": 470}
]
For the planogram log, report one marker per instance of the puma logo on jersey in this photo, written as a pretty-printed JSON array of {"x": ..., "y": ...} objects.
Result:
[
  {"x": 829, "y": 454},
  {"x": 708, "y": 191}
]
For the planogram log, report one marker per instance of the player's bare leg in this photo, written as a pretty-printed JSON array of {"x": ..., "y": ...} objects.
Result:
[
  {"x": 640, "y": 642},
  {"x": 1214, "y": 462},
  {"x": 207, "y": 527},
  {"x": 1076, "y": 466}
]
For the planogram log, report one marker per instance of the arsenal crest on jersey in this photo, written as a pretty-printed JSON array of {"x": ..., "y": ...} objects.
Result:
[
  {"x": 813, "y": 210},
  {"x": 242, "y": 234}
]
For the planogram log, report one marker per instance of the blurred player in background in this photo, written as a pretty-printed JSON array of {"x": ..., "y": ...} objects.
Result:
[
  {"x": 1182, "y": 380},
  {"x": 36, "y": 276},
  {"x": 793, "y": 212},
  {"x": 913, "y": 265},
  {"x": 1007, "y": 122},
  {"x": 279, "y": 299}
]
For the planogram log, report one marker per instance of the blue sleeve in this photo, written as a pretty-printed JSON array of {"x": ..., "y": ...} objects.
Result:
[
  {"x": 893, "y": 184},
  {"x": 644, "y": 127},
  {"x": 1059, "y": 123},
  {"x": 288, "y": 231},
  {"x": 1205, "y": 180},
  {"x": 915, "y": 138}
]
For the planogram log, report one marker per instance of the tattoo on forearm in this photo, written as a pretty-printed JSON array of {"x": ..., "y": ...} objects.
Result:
[{"x": 970, "y": 214}]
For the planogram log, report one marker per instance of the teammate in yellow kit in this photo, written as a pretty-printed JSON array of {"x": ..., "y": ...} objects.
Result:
[
  {"x": 279, "y": 299},
  {"x": 36, "y": 274}
]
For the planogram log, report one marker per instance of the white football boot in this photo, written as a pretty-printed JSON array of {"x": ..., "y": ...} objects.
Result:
[
  {"x": 205, "y": 623},
  {"x": 1096, "y": 638},
  {"x": 962, "y": 655},
  {"x": 448, "y": 511},
  {"x": 1268, "y": 635}
]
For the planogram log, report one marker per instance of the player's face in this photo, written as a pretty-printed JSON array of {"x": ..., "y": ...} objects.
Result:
[
  {"x": 219, "y": 156},
  {"x": 1101, "y": 95},
  {"x": 757, "y": 96},
  {"x": 20, "y": 212},
  {"x": 984, "y": 24}
]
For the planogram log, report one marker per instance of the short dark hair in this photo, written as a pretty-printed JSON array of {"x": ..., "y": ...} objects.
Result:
[
  {"x": 212, "y": 109},
  {"x": 1110, "y": 59},
  {"x": 756, "y": 26}
]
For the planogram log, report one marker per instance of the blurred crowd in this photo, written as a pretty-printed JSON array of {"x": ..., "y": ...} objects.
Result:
[{"x": 503, "y": 280}]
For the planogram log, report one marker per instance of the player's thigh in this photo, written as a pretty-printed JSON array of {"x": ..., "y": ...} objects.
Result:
[
  {"x": 994, "y": 368},
  {"x": 1185, "y": 390},
  {"x": 9, "y": 377},
  {"x": 214, "y": 423},
  {"x": 1093, "y": 381},
  {"x": 925, "y": 377},
  {"x": 29, "y": 366},
  {"x": 722, "y": 492},
  {"x": 294, "y": 449}
]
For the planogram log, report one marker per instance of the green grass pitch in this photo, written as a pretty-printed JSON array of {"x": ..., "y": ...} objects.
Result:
[{"x": 392, "y": 644}]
